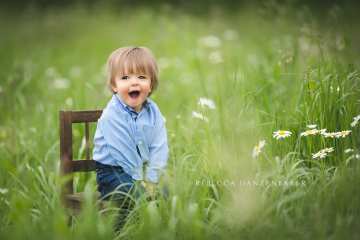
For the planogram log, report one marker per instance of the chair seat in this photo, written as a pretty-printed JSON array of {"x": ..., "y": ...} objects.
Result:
[{"x": 75, "y": 201}]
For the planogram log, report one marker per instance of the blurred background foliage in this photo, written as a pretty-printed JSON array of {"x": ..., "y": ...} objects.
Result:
[{"x": 267, "y": 65}]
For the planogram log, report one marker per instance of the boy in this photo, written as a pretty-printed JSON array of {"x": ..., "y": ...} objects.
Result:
[{"x": 131, "y": 131}]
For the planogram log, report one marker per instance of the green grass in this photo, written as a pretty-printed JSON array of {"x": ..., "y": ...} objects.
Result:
[{"x": 281, "y": 68}]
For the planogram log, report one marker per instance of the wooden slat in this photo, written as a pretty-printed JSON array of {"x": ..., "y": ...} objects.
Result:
[
  {"x": 85, "y": 116},
  {"x": 83, "y": 165},
  {"x": 87, "y": 142},
  {"x": 66, "y": 149}
]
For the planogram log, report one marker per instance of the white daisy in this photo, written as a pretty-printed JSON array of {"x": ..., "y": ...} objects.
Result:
[
  {"x": 322, "y": 153},
  {"x": 281, "y": 134},
  {"x": 355, "y": 121},
  {"x": 3, "y": 190},
  {"x": 328, "y": 150},
  {"x": 257, "y": 149},
  {"x": 319, "y": 154},
  {"x": 199, "y": 116},
  {"x": 309, "y": 132},
  {"x": 216, "y": 57},
  {"x": 61, "y": 83},
  {"x": 311, "y": 126},
  {"x": 69, "y": 101},
  {"x": 322, "y": 131},
  {"x": 230, "y": 34},
  {"x": 328, "y": 134},
  {"x": 206, "y": 102},
  {"x": 348, "y": 150},
  {"x": 340, "y": 134},
  {"x": 343, "y": 133},
  {"x": 210, "y": 41}
]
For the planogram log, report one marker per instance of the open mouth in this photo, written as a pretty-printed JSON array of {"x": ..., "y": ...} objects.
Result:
[{"x": 134, "y": 94}]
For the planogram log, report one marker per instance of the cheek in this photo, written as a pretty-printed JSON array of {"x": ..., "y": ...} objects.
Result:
[
  {"x": 147, "y": 87},
  {"x": 120, "y": 87}
]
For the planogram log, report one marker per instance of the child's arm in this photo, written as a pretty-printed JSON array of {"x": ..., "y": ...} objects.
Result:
[
  {"x": 119, "y": 145},
  {"x": 159, "y": 152}
]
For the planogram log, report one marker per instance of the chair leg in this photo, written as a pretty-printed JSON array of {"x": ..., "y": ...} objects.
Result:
[{"x": 70, "y": 221}]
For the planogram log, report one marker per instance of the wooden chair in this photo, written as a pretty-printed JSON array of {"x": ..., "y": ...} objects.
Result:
[{"x": 69, "y": 166}]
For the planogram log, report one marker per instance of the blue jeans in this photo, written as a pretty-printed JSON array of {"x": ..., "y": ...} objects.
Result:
[{"x": 116, "y": 185}]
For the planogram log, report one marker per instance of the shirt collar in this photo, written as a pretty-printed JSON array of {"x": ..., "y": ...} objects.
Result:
[{"x": 127, "y": 107}]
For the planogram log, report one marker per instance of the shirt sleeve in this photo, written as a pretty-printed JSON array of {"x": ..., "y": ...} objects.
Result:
[{"x": 159, "y": 152}]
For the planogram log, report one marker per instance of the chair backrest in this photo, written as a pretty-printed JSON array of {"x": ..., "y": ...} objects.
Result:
[{"x": 68, "y": 164}]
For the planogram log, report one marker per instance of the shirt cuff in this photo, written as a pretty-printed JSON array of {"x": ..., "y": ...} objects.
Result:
[
  {"x": 152, "y": 175},
  {"x": 137, "y": 174}
]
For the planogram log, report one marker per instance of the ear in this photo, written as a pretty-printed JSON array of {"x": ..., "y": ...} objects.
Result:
[{"x": 113, "y": 88}]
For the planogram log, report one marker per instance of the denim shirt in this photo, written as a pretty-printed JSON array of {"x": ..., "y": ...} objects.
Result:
[{"x": 129, "y": 139}]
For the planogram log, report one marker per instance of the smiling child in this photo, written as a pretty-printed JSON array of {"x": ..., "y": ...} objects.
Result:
[{"x": 131, "y": 132}]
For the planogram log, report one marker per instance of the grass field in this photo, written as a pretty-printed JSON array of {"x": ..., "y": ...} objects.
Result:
[{"x": 266, "y": 68}]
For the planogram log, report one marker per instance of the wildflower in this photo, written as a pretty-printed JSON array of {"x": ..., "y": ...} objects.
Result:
[
  {"x": 348, "y": 150},
  {"x": 61, "y": 83},
  {"x": 357, "y": 156},
  {"x": 215, "y": 57},
  {"x": 75, "y": 72},
  {"x": 230, "y": 34},
  {"x": 51, "y": 72},
  {"x": 206, "y": 102},
  {"x": 311, "y": 126},
  {"x": 329, "y": 135},
  {"x": 322, "y": 153},
  {"x": 210, "y": 41},
  {"x": 328, "y": 150},
  {"x": 356, "y": 121},
  {"x": 3, "y": 190},
  {"x": 319, "y": 154},
  {"x": 340, "y": 134},
  {"x": 322, "y": 131},
  {"x": 199, "y": 116},
  {"x": 310, "y": 132},
  {"x": 281, "y": 134},
  {"x": 69, "y": 101},
  {"x": 257, "y": 149},
  {"x": 343, "y": 133}
]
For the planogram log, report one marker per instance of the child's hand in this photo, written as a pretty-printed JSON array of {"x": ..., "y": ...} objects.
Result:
[{"x": 150, "y": 188}]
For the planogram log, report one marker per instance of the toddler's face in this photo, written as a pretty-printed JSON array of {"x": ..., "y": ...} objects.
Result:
[{"x": 133, "y": 89}]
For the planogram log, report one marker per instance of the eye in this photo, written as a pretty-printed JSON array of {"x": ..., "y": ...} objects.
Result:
[
  {"x": 142, "y": 77},
  {"x": 124, "y": 77}
]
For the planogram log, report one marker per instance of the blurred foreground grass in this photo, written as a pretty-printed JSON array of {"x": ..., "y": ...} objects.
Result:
[{"x": 266, "y": 68}]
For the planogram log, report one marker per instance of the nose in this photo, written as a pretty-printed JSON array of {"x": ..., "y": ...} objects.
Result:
[{"x": 134, "y": 80}]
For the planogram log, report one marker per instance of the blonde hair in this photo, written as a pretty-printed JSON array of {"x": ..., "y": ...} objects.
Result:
[{"x": 130, "y": 60}]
